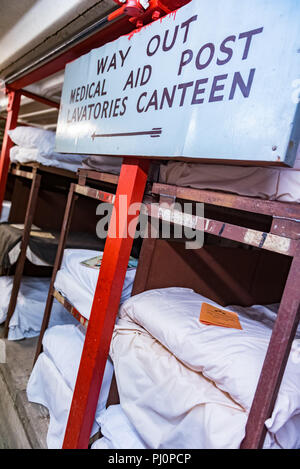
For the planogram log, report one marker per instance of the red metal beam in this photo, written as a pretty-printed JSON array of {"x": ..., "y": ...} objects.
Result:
[
  {"x": 117, "y": 250},
  {"x": 40, "y": 99},
  {"x": 107, "y": 34},
  {"x": 11, "y": 122},
  {"x": 277, "y": 355}
]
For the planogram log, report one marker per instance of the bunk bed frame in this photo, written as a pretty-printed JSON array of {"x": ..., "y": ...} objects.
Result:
[
  {"x": 83, "y": 188},
  {"x": 34, "y": 172},
  {"x": 283, "y": 237}
]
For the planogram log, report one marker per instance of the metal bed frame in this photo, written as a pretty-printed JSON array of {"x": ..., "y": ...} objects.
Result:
[
  {"x": 283, "y": 238},
  {"x": 33, "y": 172},
  {"x": 76, "y": 190}
]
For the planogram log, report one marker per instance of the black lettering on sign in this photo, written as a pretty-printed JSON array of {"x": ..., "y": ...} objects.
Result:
[
  {"x": 117, "y": 58},
  {"x": 198, "y": 90},
  {"x": 238, "y": 81},
  {"x": 138, "y": 78},
  {"x": 186, "y": 25},
  {"x": 227, "y": 50},
  {"x": 211, "y": 48},
  {"x": 186, "y": 58},
  {"x": 248, "y": 35}
]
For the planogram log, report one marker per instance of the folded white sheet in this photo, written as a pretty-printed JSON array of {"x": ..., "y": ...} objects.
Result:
[
  {"x": 78, "y": 283},
  {"x": 117, "y": 430},
  {"x": 47, "y": 387},
  {"x": 53, "y": 379},
  {"x": 231, "y": 358},
  {"x": 170, "y": 405},
  {"x": 28, "y": 315},
  {"x": 282, "y": 184},
  {"x": 33, "y": 137},
  {"x": 58, "y": 160}
]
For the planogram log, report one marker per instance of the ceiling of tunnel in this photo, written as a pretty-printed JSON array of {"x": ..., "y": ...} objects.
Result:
[{"x": 31, "y": 28}]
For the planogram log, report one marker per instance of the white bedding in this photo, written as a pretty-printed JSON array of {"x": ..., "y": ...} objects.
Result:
[
  {"x": 117, "y": 430},
  {"x": 6, "y": 206},
  {"x": 78, "y": 283},
  {"x": 28, "y": 315},
  {"x": 108, "y": 164},
  {"x": 282, "y": 184},
  {"x": 216, "y": 368},
  {"x": 53, "y": 378},
  {"x": 70, "y": 162}
]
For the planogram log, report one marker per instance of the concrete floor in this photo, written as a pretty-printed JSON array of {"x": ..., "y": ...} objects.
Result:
[{"x": 23, "y": 425}]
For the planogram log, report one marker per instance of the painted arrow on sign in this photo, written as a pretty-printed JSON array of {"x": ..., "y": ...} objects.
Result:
[{"x": 155, "y": 132}]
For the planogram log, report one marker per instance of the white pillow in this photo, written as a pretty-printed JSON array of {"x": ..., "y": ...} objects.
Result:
[
  {"x": 231, "y": 358},
  {"x": 33, "y": 137},
  {"x": 64, "y": 345},
  {"x": 23, "y": 155}
]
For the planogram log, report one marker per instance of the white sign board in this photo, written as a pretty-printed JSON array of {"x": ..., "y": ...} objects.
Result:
[{"x": 214, "y": 80}]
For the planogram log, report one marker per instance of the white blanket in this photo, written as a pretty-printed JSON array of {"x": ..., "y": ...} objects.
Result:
[
  {"x": 70, "y": 162},
  {"x": 282, "y": 184},
  {"x": 53, "y": 378},
  {"x": 230, "y": 358},
  {"x": 117, "y": 430},
  {"x": 28, "y": 315},
  {"x": 107, "y": 164},
  {"x": 77, "y": 282}
]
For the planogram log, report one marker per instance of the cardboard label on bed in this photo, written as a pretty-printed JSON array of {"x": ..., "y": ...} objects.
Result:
[{"x": 214, "y": 316}]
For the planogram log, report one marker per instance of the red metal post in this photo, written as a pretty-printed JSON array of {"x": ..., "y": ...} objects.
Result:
[
  {"x": 11, "y": 122},
  {"x": 105, "y": 306}
]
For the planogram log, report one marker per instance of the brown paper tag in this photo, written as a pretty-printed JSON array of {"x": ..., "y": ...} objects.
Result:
[{"x": 211, "y": 315}]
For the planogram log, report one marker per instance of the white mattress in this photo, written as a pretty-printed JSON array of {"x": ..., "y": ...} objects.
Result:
[
  {"x": 282, "y": 184},
  {"x": 53, "y": 379},
  {"x": 77, "y": 283},
  {"x": 205, "y": 376},
  {"x": 15, "y": 251},
  {"x": 28, "y": 315},
  {"x": 23, "y": 155}
]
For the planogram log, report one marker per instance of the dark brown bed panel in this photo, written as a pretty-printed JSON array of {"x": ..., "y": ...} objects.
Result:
[{"x": 227, "y": 275}]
